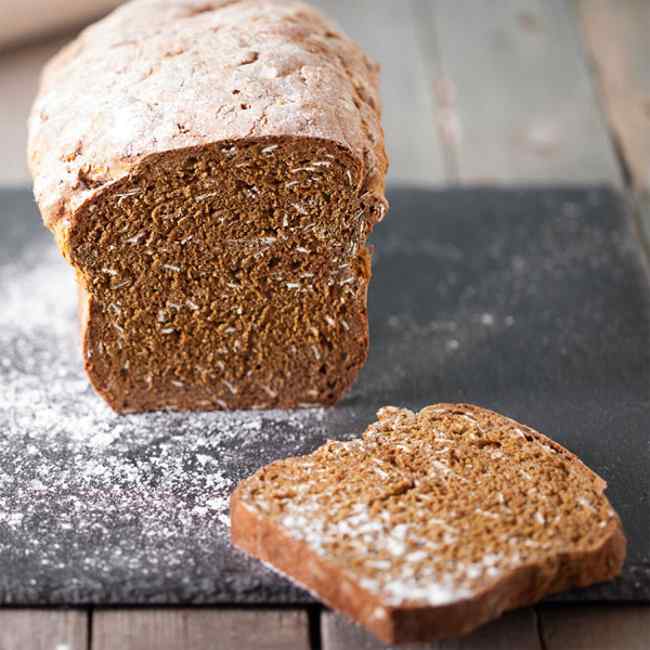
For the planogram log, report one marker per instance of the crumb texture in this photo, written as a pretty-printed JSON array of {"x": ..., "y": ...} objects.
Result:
[
  {"x": 212, "y": 171},
  {"x": 439, "y": 507}
]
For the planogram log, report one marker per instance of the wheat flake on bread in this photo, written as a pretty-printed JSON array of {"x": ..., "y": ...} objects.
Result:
[{"x": 432, "y": 523}]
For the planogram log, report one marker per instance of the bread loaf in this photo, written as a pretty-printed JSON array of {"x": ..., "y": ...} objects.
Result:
[
  {"x": 212, "y": 171},
  {"x": 433, "y": 523}
]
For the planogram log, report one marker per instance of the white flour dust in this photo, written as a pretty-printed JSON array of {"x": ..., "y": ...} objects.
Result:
[{"x": 101, "y": 495}]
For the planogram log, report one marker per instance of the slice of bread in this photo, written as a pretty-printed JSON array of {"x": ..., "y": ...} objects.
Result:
[{"x": 433, "y": 523}]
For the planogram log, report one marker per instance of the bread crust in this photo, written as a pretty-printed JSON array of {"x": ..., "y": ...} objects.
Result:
[
  {"x": 261, "y": 537},
  {"x": 109, "y": 100}
]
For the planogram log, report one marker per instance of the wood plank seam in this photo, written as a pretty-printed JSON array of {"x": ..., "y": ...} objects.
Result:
[
  {"x": 615, "y": 40},
  {"x": 89, "y": 628},
  {"x": 601, "y": 101},
  {"x": 443, "y": 117},
  {"x": 314, "y": 614},
  {"x": 387, "y": 31},
  {"x": 638, "y": 198},
  {"x": 616, "y": 36},
  {"x": 514, "y": 94},
  {"x": 540, "y": 629}
]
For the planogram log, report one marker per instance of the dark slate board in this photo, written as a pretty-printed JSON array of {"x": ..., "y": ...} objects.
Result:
[{"x": 533, "y": 302}]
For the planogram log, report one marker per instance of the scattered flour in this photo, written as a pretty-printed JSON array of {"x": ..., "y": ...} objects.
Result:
[{"x": 92, "y": 499}]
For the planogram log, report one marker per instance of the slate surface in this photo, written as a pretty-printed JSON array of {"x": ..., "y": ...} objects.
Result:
[{"x": 533, "y": 302}]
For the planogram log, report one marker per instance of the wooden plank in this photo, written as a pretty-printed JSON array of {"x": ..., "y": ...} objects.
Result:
[
  {"x": 595, "y": 627},
  {"x": 43, "y": 629},
  {"x": 519, "y": 103},
  {"x": 200, "y": 629},
  {"x": 516, "y": 629},
  {"x": 617, "y": 37},
  {"x": 387, "y": 31},
  {"x": 19, "y": 74}
]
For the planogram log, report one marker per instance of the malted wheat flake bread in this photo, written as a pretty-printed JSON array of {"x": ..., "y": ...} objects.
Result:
[
  {"x": 433, "y": 523},
  {"x": 212, "y": 170}
]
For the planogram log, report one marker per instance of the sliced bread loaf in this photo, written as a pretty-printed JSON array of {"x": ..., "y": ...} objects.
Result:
[
  {"x": 212, "y": 171},
  {"x": 433, "y": 523}
]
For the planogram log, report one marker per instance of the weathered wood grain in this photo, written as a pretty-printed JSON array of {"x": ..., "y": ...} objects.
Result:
[
  {"x": 616, "y": 32},
  {"x": 43, "y": 629},
  {"x": 200, "y": 629},
  {"x": 595, "y": 628},
  {"x": 514, "y": 630},
  {"x": 387, "y": 31},
  {"x": 516, "y": 98}
]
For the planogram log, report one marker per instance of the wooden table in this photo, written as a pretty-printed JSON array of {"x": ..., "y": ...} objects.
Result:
[{"x": 475, "y": 92}]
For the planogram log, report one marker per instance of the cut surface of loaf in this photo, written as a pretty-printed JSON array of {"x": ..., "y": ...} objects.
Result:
[
  {"x": 433, "y": 523},
  {"x": 212, "y": 171}
]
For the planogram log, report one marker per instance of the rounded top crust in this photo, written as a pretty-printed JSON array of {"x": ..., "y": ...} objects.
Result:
[{"x": 163, "y": 75}]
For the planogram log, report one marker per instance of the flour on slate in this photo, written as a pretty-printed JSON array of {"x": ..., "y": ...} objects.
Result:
[{"x": 87, "y": 496}]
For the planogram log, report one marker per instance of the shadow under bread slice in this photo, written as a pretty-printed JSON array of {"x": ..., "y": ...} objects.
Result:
[{"x": 432, "y": 523}]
